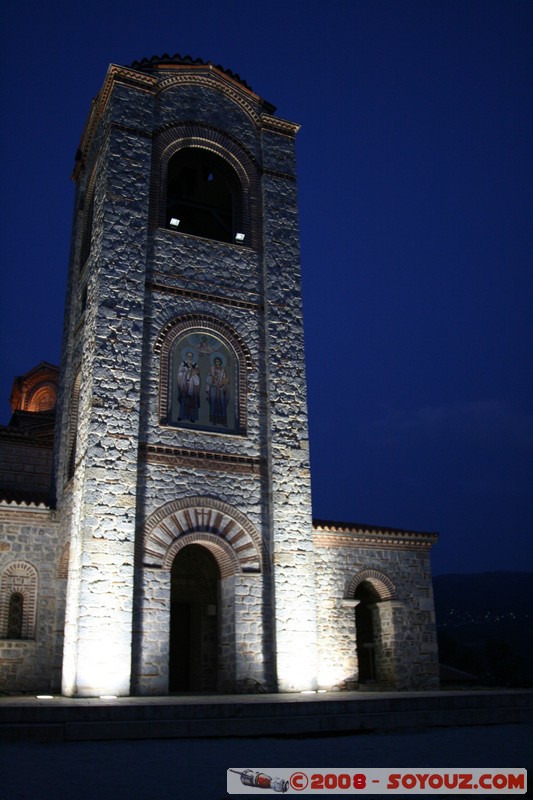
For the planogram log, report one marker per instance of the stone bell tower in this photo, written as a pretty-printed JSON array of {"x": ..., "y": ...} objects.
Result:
[{"x": 183, "y": 466}]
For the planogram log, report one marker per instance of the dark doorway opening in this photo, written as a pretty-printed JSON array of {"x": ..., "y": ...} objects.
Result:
[
  {"x": 193, "y": 621},
  {"x": 364, "y": 626}
]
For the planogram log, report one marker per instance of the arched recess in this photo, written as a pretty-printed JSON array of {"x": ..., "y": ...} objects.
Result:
[
  {"x": 19, "y": 579},
  {"x": 221, "y": 535},
  {"x": 196, "y": 326},
  {"x": 223, "y": 530},
  {"x": 238, "y": 168},
  {"x": 372, "y": 591},
  {"x": 381, "y": 583}
]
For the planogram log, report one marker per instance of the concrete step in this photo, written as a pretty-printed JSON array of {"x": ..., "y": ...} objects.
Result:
[{"x": 67, "y": 719}]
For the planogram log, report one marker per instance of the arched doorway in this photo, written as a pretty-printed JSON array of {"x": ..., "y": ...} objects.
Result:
[
  {"x": 364, "y": 626},
  {"x": 193, "y": 621}
]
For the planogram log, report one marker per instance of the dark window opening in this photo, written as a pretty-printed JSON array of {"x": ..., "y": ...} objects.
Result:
[
  {"x": 15, "y": 616},
  {"x": 364, "y": 625},
  {"x": 203, "y": 195}
]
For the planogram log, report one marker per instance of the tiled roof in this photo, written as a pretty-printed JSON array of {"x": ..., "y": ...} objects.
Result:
[
  {"x": 154, "y": 61},
  {"x": 30, "y": 427},
  {"x": 17, "y": 497},
  {"x": 330, "y": 525}
]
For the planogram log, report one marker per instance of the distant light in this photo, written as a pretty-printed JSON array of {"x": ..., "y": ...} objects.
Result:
[
  {"x": 174, "y": 222},
  {"x": 322, "y": 691},
  {"x": 239, "y": 237},
  {"x": 45, "y": 697},
  {"x": 108, "y": 697},
  {"x": 308, "y": 691}
]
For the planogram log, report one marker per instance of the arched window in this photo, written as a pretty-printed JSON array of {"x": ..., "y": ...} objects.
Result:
[
  {"x": 203, "y": 195},
  {"x": 204, "y": 382},
  {"x": 15, "y": 616},
  {"x": 44, "y": 399},
  {"x": 18, "y": 601}
]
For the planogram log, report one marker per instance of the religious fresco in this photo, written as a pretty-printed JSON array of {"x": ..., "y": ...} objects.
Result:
[{"x": 203, "y": 383}]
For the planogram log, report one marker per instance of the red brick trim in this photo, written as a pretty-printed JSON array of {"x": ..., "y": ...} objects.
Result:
[
  {"x": 20, "y": 577},
  {"x": 232, "y": 91},
  {"x": 204, "y": 297},
  {"x": 200, "y": 459},
  {"x": 379, "y": 581},
  {"x": 188, "y": 322},
  {"x": 206, "y": 521}
]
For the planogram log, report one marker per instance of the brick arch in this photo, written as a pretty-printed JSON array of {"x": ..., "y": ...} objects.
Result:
[
  {"x": 222, "y": 529},
  {"x": 225, "y": 556},
  {"x": 172, "y": 137},
  {"x": 380, "y": 582},
  {"x": 229, "y": 91},
  {"x": 43, "y": 397},
  {"x": 62, "y": 571},
  {"x": 19, "y": 577},
  {"x": 26, "y": 389},
  {"x": 178, "y": 326},
  {"x": 72, "y": 431}
]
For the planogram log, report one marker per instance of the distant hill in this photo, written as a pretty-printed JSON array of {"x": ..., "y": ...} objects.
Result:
[{"x": 485, "y": 625}]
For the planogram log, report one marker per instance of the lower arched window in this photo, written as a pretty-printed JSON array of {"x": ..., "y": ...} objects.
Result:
[
  {"x": 18, "y": 601},
  {"x": 15, "y": 616}
]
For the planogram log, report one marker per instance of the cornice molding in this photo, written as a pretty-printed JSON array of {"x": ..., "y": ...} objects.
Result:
[
  {"x": 330, "y": 536},
  {"x": 199, "y": 459},
  {"x": 278, "y": 125}
]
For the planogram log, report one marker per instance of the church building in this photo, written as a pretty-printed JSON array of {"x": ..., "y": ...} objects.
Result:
[{"x": 162, "y": 540}]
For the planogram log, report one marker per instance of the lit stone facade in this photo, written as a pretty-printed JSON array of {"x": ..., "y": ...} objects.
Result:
[{"x": 181, "y": 474}]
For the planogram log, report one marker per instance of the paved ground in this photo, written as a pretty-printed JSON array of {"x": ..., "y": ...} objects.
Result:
[{"x": 195, "y": 769}]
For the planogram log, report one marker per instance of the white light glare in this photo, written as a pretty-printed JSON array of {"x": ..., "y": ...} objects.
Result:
[
  {"x": 174, "y": 222},
  {"x": 108, "y": 697},
  {"x": 44, "y": 696},
  {"x": 239, "y": 237}
]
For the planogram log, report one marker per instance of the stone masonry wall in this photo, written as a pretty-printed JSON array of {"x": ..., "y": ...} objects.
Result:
[
  {"x": 109, "y": 343},
  {"x": 404, "y": 625},
  {"x": 32, "y": 537},
  {"x": 293, "y": 565},
  {"x": 228, "y": 284}
]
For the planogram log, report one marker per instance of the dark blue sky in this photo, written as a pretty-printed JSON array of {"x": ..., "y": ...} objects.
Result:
[{"x": 414, "y": 165}]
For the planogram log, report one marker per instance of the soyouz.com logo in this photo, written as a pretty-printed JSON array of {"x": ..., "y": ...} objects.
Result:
[{"x": 461, "y": 781}]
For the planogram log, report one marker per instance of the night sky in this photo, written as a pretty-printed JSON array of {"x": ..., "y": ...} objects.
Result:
[{"x": 414, "y": 176}]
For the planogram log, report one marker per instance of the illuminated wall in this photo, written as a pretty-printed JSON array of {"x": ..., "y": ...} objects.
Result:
[
  {"x": 188, "y": 344},
  {"x": 181, "y": 468}
]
